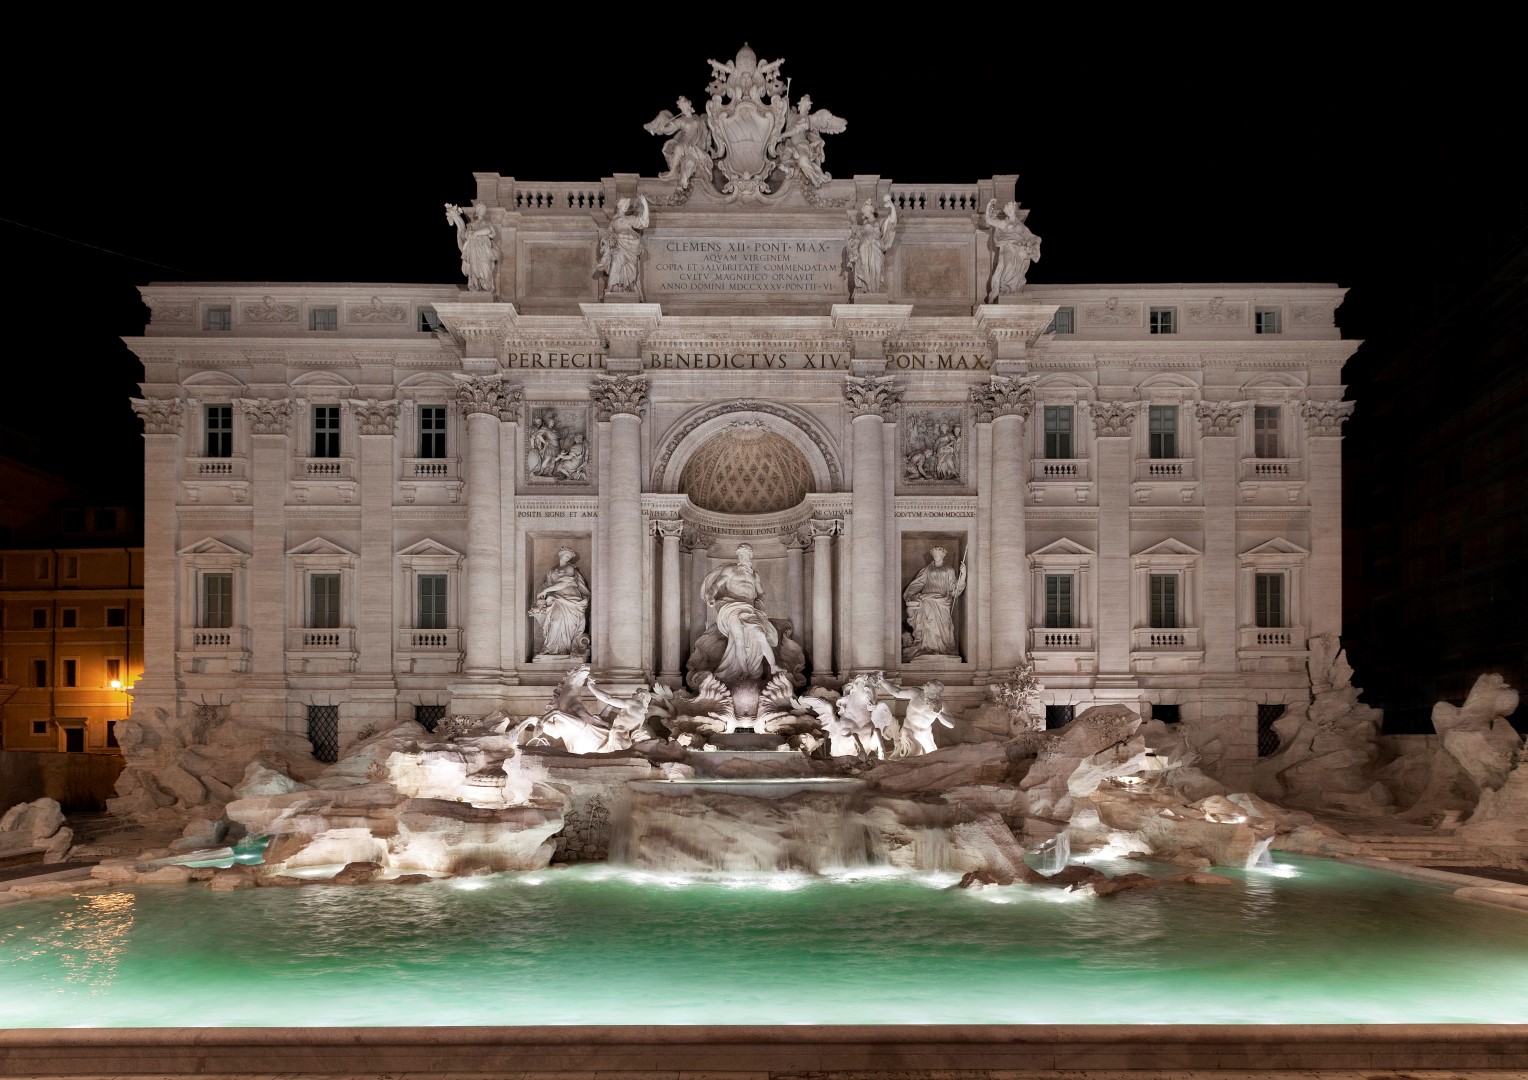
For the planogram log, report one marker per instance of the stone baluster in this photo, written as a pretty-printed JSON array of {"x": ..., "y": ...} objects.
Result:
[
  {"x": 621, "y": 400},
  {"x": 822, "y": 598},
  {"x": 670, "y": 532},
  {"x": 871, "y": 400},
  {"x": 1004, "y": 403}
]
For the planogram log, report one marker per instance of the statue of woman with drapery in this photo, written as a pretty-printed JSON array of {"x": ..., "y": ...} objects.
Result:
[{"x": 562, "y": 608}]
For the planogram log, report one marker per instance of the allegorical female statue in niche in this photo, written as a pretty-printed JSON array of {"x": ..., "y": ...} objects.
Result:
[
  {"x": 562, "y": 608},
  {"x": 478, "y": 241},
  {"x": 930, "y": 604}
]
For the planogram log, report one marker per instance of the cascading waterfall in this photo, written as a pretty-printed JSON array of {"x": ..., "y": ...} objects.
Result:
[
  {"x": 1261, "y": 858},
  {"x": 1055, "y": 853}
]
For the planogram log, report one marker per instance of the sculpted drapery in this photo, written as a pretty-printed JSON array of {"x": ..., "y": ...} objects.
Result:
[
  {"x": 737, "y": 595},
  {"x": 930, "y": 600}
]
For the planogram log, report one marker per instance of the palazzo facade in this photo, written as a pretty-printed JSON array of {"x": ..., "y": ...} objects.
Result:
[{"x": 357, "y": 496}]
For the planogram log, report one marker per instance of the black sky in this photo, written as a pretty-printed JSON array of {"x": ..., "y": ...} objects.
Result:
[{"x": 1155, "y": 147}]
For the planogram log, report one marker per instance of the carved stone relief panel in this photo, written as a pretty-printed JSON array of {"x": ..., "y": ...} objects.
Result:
[
  {"x": 559, "y": 447},
  {"x": 935, "y": 449}
]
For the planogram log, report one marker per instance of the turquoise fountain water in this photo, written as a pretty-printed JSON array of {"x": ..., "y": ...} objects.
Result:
[{"x": 1306, "y": 941}]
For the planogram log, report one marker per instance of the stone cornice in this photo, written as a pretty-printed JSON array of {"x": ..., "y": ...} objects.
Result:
[
  {"x": 477, "y": 321},
  {"x": 876, "y": 322},
  {"x": 617, "y": 323}
]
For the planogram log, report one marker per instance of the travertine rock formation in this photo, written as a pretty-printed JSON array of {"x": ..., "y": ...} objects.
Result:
[{"x": 33, "y": 826}]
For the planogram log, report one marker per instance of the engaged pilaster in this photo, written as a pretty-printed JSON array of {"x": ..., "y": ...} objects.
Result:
[
  {"x": 1113, "y": 423},
  {"x": 376, "y": 423},
  {"x": 1005, "y": 403},
  {"x": 162, "y": 418},
  {"x": 1219, "y": 428},
  {"x": 1323, "y": 442},
  {"x": 483, "y": 400},
  {"x": 621, "y": 400},
  {"x": 871, "y": 401},
  {"x": 269, "y": 425}
]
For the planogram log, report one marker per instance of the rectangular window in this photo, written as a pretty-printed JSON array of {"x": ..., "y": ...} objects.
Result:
[
  {"x": 217, "y": 318},
  {"x": 1164, "y": 320},
  {"x": 1168, "y": 714},
  {"x": 432, "y": 431},
  {"x": 39, "y": 673},
  {"x": 428, "y": 716},
  {"x": 71, "y": 567},
  {"x": 324, "y": 609},
  {"x": 39, "y": 727},
  {"x": 39, "y": 618},
  {"x": 1058, "y": 601},
  {"x": 1164, "y": 600},
  {"x": 1057, "y": 716},
  {"x": 219, "y": 419},
  {"x": 111, "y": 733},
  {"x": 69, "y": 618},
  {"x": 1266, "y": 320},
  {"x": 432, "y": 602},
  {"x": 1265, "y": 431},
  {"x": 1162, "y": 431},
  {"x": 323, "y": 318},
  {"x": 1058, "y": 431},
  {"x": 71, "y": 672},
  {"x": 116, "y": 616},
  {"x": 113, "y": 669},
  {"x": 43, "y": 568},
  {"x": 429, "y": 322},
  {"x": 217, "y": 600},
  {"x": 1270, "y": 599},
  {"x": 326, "y": 431},
  {"x": 74, "y": 740},
  {"x": 1062, "y": 322},
  {"x": 105, "y": 521}
]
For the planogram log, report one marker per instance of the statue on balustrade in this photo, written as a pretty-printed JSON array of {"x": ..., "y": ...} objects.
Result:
[
  {"x": 478, "y": 241},
  {"x": 1017, "y": 247},
  {"x": 562, "y": 609},
  {"x": 620, "y": 258},
  {"x": 743, "y": 644},
  {"x": 799, "y": 144},
  {"x": 688, "y": 151},
  {"x": 930, "y": 603},
  {"x": 870, "y": 238}
]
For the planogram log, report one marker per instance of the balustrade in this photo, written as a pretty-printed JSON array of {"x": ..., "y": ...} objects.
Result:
[
  {"x": 1055, "y": 639},
  {"x": 1271, "y": 639},
  {"x": 1165, "y": 639},
  {"x": 936, "y": 198},
  {"x": 1270, "y": 469},
  {"x": 1164, "y": 469},
  {"x": 552, "y": 197},
  {"x": 1060, "y": 469}
]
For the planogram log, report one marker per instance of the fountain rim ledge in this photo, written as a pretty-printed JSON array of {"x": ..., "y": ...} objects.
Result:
[{"x": 575, "y": 1050}]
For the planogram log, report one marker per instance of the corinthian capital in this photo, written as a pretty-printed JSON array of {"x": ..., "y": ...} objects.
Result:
[
  {"x": 618, "y": 394},
  {"x": 267, "y": 417},
  {"x": 488, "y": 394},
  {"x": 1004, "y": 395},
  {"x": 160, "y": 416},
  {"x": 871, "y": 395},
  {"x": 1219, "y": 417},
  {"x": 1323, "y": 419},
  {"x": 373, "y": 417},
  {"x": 1111, "y": 418}
]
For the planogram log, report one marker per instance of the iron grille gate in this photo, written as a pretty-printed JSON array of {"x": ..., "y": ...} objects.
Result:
[
  {"x": 1267, "y": 738},
  {"x": 324, "y": 731},
  {"x": 427, "y": 716}
]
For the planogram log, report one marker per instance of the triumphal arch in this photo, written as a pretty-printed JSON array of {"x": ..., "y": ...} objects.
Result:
[{"x": 374, "y": 503}]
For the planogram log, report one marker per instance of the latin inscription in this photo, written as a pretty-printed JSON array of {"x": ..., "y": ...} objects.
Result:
[
  {"x": 744, "y": 266},
  {"x": 554, "y": 360}
]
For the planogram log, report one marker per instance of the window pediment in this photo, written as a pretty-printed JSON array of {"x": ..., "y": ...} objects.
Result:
[
  {"x": 428, "y": 548},
  {"x": 1169, "y": 548},
  {"x": 213, "y": 548},
  {"x": 1063, "y": 548}
]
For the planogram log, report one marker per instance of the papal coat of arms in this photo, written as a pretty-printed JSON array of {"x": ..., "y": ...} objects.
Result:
[{"x": 750, "y": 135}]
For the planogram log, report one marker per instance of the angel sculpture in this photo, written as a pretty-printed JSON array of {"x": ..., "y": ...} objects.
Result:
[
  {"x": 799, "y": 144},
  {"x": 862, "y": 722},
  {"x": 688, "y": 151}
]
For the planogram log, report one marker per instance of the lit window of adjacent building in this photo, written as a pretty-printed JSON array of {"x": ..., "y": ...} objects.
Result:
[
  {"x": 116, "y": 616},
  {"x": 1162, "y": 431},
  {"x": 326, "y": 431},
  {"x": 1164, "y": 600},
  {"x": 217, "y": 600},
  {"x": 71, "y": 672},
  {"x": 69, "y": 618},
  {"x": 1266, "y": 320},
  {"x": 1164, "y": 320},
  {"x": 1265, "y": 431},
  {"x": 323, "y": 318},
  {"x": 217, "y": 318},
  {"x": 324, "y": 601},
  {"x": 432, "y": 431},
  {"x": 219, "y": 421},
  {"x": 1268, "y": 592},
  {"x": 113, "y": 669},
  {"x": 1062, "y": 322},
  {"x": 432, "y": 602},
  {"x": 39, "y": 618},
  {"x": 1058, "y": 431},
  {"x": 1058, "y": 602}
]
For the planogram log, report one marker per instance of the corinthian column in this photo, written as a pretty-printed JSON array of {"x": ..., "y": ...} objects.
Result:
[
  {"x": 1323, "y": 441},
  {"x": 1005, "y": 402},
  {"x": 822, "y": 598},
  {"x": 670, "y": 531},
  {"x": 871, "y": 401},
  {"x": 482, "y": 401},
  {"x": 161, "y": 456},
  {"x": 621, "y": 399}
]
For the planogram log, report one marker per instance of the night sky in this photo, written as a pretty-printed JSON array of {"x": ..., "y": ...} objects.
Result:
[{"x": 1168, "y": 148}]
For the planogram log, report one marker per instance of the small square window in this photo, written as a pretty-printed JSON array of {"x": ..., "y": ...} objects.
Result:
[
  {"x": 1164, "y": 320},
  {"x": 69, "y": 618},
  {"x": 39, "y": 618},
  {"x": 217, "y": 318},
  {"x": 429, "y": 322},
  {"x": 1168, "y": 714},
  {"x": 39, "y": 727},
  {"x": 323, "y": 318},
  {"x": 116, "y": 616},
  {"x": 1063, "y": 321},
  {"x": 1266, "y": 321}
]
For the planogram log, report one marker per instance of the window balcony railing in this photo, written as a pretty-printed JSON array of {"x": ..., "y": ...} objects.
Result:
[
  {"x": 448, "y": 639},
  {"x": 1271, "y": 639},
  {"x": 417, "y": 469},
  {"x": 1254, "y": 470},
  {"x": 1061, "y": 470},
  {"x": 218, "y": 640},
  {"x": 1167, "y": 469},
  {"x": 1056, "y": 639},
  {"x": 1165, "y": 639},
  {"x": 325, "y": 468},
  {"x": 339, "y": 639},
  {"x": 213, "y": 469}
]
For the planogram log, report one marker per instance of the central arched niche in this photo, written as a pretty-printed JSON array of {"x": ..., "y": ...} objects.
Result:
[{"x": 746, "y": 469}]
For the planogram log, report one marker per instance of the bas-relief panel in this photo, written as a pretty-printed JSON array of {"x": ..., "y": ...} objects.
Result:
[
  {"x": 559, "y": 271},
  {"x": 934, "y": 450},
  {"x": 558, "y": 447},
  {"x": 935, "y": 272}
]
